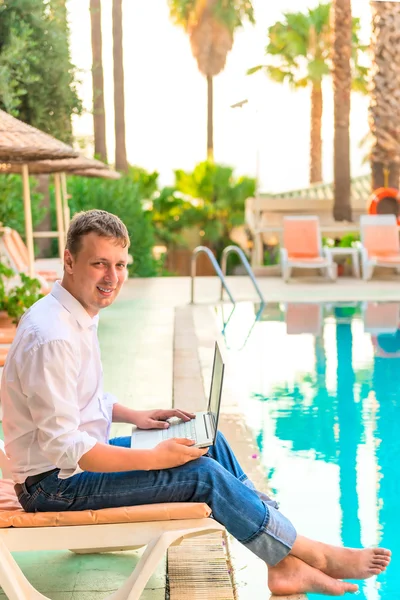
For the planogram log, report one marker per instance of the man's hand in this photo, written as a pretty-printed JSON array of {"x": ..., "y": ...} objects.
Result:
[
  {"x": 174, "y": 453},
  {"x": 156, "y": 419}
]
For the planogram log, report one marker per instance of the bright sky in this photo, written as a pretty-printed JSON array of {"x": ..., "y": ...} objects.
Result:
[{"x": 165, "y": 98}]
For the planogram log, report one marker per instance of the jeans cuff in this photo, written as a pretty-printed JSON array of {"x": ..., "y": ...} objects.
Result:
[{"x": 275, "y": 538}]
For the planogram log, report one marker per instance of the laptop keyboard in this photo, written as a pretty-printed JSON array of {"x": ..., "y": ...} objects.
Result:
[{"x": 180, "y": 430}]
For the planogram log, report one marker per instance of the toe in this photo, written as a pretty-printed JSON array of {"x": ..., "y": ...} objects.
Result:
[
  {"x": 379, "y": 563},
  {"x": 351, "y": 587}
]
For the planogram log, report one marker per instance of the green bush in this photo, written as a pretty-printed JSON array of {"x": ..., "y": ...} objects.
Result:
[
  {"x": 220, "y": 200},
  {"x": 17, "y": 293},
  {"x": 122, "y": 197},
  {"x": 170, "y": 215},
  {"x": 12, "y": 204}
]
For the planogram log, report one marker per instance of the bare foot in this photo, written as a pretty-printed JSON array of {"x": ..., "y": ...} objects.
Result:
[
  {"x": 293, "y": 576},
  {"x": 342, "y": 563}
]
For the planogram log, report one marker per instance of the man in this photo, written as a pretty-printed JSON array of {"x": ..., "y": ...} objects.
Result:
[{"x": 57, "y": 421}]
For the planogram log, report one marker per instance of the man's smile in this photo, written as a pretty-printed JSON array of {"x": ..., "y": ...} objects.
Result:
[{"x": 105, "y": 291}]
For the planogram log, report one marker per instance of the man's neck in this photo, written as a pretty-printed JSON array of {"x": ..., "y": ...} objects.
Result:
[{"x": 67, "y": 286}]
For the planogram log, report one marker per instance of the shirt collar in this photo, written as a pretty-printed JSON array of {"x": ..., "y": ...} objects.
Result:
[{"x": 73, "y": 306}]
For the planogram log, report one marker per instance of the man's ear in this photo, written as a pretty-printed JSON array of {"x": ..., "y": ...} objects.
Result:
[{"x": 68, "y": 262}]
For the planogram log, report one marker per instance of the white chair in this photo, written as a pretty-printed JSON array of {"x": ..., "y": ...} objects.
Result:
[
  {"x": 380, "y": 243},
  {"x": 157, "y": 526},
  {"x": 302, "y": 247}
]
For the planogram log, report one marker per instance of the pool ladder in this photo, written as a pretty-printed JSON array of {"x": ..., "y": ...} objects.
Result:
[{"x": 221, "y": 271}]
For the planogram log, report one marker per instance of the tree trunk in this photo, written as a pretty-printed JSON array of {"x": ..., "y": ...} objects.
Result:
[
  {"x": 342, "y": 29},
  {"x": 99, "y": 115},
  {"x": 315, "y": 135},
  {"x": 121, "y": 163},
  {"x": 44, "y": 244},
  {"x": 378, "y": 175},
  {"x": 210, "y": 119},
  {"x": 384, "y": 110}
]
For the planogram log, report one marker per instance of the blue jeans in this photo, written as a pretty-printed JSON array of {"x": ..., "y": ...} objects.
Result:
[{"x": 216, "y": 479}]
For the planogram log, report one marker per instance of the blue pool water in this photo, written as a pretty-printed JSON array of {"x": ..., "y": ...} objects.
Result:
[{"x": 320, "y": 387}]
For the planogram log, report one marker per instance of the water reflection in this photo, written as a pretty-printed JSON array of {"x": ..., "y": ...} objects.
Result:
[
  {"x": 352, "y": 424},
  {"x": 386, "y": 383},
  {"x": 350, "y": 431}
]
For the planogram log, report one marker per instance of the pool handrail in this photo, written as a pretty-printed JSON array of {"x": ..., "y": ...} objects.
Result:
[
  {"x": 224, "y": 260},
  {"x": 208, "y": 252}
]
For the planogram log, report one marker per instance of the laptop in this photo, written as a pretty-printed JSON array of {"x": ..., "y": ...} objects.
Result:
[{"x": 202, "y": 429}]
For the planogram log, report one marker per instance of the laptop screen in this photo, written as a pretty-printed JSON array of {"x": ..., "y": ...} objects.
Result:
[{"x": 216, "y": 387}]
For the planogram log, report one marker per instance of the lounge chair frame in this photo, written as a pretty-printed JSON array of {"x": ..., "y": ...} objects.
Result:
[
  {"x": 157, "y": 536},
  {"x": 328, "y": 265},
  {"x": 369, "y": 263}
]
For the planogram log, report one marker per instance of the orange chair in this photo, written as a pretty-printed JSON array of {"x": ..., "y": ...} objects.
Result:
[
  {"x": 302, "y": 247},
  {"x": 380, "y": 243},
  {"x": 18, "y": 253}
]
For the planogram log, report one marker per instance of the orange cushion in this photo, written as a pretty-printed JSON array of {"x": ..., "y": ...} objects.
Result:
[
  {"x": 3, "y": 356},
  {"x": 381, "y": 239},
  {"x": 387, "y": 258},
  {"x": 301, "y": 238},
  {"x": 13, "y": 515},
  {"x": 306, "y": 259},
  {"x": 7, "y": 334}
]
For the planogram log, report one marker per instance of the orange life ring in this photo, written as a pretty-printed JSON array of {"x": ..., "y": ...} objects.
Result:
[{"x": 378, "y": 195}]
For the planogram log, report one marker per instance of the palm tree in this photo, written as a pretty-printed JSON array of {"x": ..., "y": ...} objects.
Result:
[
  {"x": 385, "y": 101},
  {"x": 300, "y": 46},
  {"x": 211, "y": 25},
  {"x": 121, "y": 162},
  {"x": 99, "y": 115},
  {"x": 341, "y": 73}
]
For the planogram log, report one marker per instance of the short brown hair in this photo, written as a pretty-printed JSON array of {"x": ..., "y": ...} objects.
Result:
[{"x": 100, "y": 222}]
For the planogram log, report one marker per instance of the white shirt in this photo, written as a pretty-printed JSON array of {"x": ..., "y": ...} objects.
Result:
[{"x": 54, "y": 408}]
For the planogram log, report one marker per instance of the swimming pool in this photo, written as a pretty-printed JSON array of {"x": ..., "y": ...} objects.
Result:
[{"x": 320, "y": 388}]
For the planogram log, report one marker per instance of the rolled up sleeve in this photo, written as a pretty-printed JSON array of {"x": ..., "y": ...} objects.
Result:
[{"x": 49, "y": 381}]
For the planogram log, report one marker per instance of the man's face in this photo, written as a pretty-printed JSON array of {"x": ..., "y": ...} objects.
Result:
[{"x": 96, "y": 274}]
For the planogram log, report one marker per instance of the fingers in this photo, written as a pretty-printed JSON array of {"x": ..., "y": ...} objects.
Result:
[
  {"x": 190, "y": 415},
  {"x": 163, "y": 415},
  {"x": 158, "y": 424},
  {"x": 201, "y": 451},
  {"x": 184, "y": 441},
  {"x": 196, "y": 453},
  {"x": 182, "y": 414}
]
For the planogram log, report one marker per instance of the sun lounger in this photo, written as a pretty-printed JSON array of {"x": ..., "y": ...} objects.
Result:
[
  {"x": 17, "y": 254},
  {"x": 302, "y": 247},
  {"x": 156, "y": 526},
  {"x": 380, "y": 243}
]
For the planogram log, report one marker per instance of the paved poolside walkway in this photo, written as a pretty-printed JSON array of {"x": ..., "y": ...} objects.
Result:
[{"x": 136, "y": 337}]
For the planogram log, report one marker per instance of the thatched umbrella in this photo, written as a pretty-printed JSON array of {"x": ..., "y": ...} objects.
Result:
[
  {"x": 21, "y": 143},
  {"x": 102, "y": 173},
  {"x": 46, "y": 167},
  {"x": 87, "y": 166}
]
